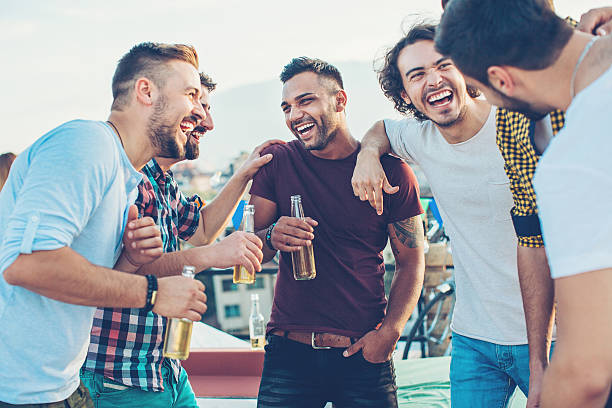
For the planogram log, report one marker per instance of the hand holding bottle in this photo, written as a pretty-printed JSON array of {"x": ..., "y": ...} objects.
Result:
[
  {"x": 292, "y": 233},
  {"x": 181, "y": 297}
]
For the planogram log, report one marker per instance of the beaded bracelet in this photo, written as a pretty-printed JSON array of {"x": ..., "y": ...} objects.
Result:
[
  {"x": 269, "y": 236},
  {"x": 151, "y": 292}
]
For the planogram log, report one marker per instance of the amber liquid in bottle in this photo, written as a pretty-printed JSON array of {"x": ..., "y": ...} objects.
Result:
[
  {"x": 257, "y": 327},
  {"x": 177, "y": 339},
  {"x": 241, "y": 274},
  {"x": 303, "y": 260}
]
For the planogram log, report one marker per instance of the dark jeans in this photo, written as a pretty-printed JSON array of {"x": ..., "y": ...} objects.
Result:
[
  {"x": 297, "y": 376},
  {"x": 78, "y": 399}
]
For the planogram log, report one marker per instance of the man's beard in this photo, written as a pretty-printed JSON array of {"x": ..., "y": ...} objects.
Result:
[
  {"x": 192, "y": 150},
  {"x": 452, "y": 122},
  {"x": 322, "y": 139},
  {"x": 162, "y": 135},
  {"x": 520, "y": 106}
]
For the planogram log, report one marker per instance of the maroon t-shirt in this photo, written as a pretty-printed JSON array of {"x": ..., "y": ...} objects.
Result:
[{"x": 347, "y": 296}]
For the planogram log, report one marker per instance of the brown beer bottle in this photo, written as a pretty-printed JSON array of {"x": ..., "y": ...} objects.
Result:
[{"x": 302, "y": 260}]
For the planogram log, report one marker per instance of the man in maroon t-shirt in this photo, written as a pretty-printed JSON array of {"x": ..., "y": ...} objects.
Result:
[{"x": 331, "y": 338}]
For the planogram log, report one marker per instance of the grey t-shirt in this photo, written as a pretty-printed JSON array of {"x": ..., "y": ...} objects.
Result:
[{"x": 473, "y": 194}]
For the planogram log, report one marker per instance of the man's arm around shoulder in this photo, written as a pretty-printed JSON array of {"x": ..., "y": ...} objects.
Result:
[
  {"x": 369, "y": 178},
  {"x": 215, "y": 215}
]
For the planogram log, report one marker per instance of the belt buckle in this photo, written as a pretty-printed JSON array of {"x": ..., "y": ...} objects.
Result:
[{"x": 314, "y": 346}]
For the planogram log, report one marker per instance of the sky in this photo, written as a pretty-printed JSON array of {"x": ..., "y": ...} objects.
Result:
[{"x": 59, "y": 55}]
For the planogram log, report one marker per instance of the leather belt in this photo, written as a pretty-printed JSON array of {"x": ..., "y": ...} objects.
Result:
[{"x": 316, "y": 340}]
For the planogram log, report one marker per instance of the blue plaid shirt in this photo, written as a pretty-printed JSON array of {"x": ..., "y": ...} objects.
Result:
[{"x": 126, "y": 344}]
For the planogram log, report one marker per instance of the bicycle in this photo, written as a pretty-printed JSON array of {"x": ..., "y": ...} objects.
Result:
[{"x": 424, "y": 331}]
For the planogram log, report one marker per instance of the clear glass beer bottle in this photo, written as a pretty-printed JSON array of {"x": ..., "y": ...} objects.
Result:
[
  {"x": 257, "y": 329},
  {"x": 178, "y": 331},
  {"x": 303, "y": 259},
  {"x": 241, "y": 274}
]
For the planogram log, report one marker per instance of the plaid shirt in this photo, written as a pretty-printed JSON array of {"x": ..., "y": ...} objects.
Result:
[
  {"x": 126, "y": 344},
  {"x": 515, "y": 141}
]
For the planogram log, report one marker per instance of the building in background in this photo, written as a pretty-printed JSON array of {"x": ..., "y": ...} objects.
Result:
[{"x": 233, "y": 301}]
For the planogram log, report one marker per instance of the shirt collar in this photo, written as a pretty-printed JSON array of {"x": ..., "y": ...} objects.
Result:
[{"x": 156, "y": 171}]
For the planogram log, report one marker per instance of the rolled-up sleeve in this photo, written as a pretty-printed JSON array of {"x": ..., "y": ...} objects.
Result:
[{"x": 520, "y": 161}]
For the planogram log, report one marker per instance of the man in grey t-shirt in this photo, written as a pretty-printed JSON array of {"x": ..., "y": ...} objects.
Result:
[{"x": 452, "y": 139}]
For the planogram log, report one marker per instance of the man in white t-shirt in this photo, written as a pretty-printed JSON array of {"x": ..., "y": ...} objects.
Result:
[
  {"x": 452, "y": 139},
  {"x": 555, "y": 67}
]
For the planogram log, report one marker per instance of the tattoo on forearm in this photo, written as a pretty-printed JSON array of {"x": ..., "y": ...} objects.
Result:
[{"x": 410, "y": 232}]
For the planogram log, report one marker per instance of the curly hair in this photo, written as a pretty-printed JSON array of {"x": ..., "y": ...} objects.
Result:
[{"x": 390, "y": 78}]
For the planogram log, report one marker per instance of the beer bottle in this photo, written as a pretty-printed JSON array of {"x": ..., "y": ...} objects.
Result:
[
  {"x": 257, "y": 330},
  {"x": 241, "y": 274},
  {"x": 178, "y": 331},
  {"x": 302, "y": 260}
]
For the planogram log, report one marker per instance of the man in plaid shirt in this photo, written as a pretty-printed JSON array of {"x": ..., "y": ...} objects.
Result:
[{"x": 124, "y": 365}]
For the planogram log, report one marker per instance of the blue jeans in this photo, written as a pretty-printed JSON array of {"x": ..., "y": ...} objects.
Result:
[
  {"x": 108, "y": 393},
  {"x": 297, "y": 376},
  {"x": 484, "y": 374}
]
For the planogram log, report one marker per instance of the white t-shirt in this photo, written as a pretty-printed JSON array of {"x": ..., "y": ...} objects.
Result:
[
  {"x": 573, "y": 185},
  {"x": 473, "y": 194}
]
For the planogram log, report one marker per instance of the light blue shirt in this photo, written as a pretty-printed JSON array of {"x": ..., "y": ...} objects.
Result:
[{"x": 72, "y": 188}]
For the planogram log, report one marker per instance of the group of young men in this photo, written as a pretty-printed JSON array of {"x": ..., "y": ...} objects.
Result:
[{"x": 90, "y": 278}]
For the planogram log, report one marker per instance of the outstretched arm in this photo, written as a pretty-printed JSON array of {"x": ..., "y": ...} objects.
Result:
[
  {"x": 216, "y": 214},
  {"x": 239, "y": 248},
  {"x": 64, "y": 275}
]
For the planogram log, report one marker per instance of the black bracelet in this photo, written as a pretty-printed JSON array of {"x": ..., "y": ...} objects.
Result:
[
  {"x": 269, "y": 237},
  {"x": 151, "y": 292}
]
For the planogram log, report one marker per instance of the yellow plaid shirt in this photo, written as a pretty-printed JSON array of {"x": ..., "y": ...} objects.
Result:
[{"x": 515, "y": 141}]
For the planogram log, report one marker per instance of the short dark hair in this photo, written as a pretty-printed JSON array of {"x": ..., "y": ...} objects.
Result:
[
  {"x": 306, "y": 64},
  {"x": 477, "y": 34},
  {"x": 390, "y": 78},
  {"x": 147, "y": 59},
  {"x": 207, "y": 82}
]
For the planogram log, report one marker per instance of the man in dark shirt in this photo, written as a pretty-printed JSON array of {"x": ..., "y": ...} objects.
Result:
[{"x": 331, "y": 338}]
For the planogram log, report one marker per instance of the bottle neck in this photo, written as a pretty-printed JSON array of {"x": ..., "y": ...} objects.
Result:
[
  {"x": 296, "y": 209},
  {"x": 188, "y": 273},
  {"x": 255, "y": 307},
  {"x": 248, "y": 222}
]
